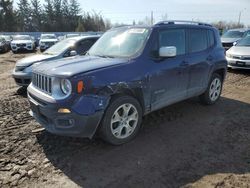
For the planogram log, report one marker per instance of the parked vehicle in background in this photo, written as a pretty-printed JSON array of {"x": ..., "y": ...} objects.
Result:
[
  {"x": 129, "y": 72},
  {"x": 4, "y": 46},
  {"x": 71, "y": 35},
  {"x": 22, "y": 42},
  {"x": 8, "y": 39},
  {"x": 233, "y": 35},
  {"x": 239, "y": 55},
  {"x": 65, "y": 48},
  {"x": 46, "y": 41}
]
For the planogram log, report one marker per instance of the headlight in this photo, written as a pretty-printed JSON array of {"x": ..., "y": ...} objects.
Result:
[
  {"x": 13, "y": 44},
  {"x": 66, "y": 86},
  {"x": 42, "y": 43},
  {"x": 229, "y": 55},
  {"x": 29, "y": 44},
  {"x": 28, "y": 69}
]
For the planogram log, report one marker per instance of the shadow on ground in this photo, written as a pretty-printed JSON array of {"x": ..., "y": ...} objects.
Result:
[
  {"x": 177, "y": 145},
  {"x": 240, "y": 71}
]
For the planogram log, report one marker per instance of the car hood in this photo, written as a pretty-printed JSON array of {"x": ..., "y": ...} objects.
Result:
[
  {"x": 48, "y": 40},
  {"x": 239, "y": 50},
  {"x": 229, "y": 40},
  {"x": 27, "y": 61},
  {"x": 75, "y": 65},
  {"x": 21, "y": 41}
]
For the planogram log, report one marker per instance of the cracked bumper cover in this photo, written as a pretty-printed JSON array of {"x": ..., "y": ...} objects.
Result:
[{"x": 83, "y": 120}]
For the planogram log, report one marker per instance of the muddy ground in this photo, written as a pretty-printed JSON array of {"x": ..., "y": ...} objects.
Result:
[{"x": 184, "y": 145}]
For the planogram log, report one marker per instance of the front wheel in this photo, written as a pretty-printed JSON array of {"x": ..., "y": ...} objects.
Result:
[
  {"x": 121, "y": 121},
  {"x": 213, "y": 92}
]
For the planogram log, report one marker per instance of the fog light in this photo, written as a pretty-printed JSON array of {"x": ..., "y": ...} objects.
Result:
[{"x": 64, "y": 110}]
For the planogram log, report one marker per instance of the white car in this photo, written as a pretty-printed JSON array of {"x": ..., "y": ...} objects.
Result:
[
  {"x": 239, "y": 55},
  {"x": 22, "y": 42},
  {"x": 47, "y": 40}
]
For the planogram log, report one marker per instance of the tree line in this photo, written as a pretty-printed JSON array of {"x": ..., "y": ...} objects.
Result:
[{"x": 52, "y": 16}]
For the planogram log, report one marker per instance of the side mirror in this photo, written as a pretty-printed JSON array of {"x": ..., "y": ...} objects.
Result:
[
  {"x": 167, "y": 51},
  {"x": 72, "y": 53},
  {"x": 234, "y": 44}
]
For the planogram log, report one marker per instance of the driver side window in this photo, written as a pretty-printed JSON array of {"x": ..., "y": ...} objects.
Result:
[{"x": 173, "y": 37}]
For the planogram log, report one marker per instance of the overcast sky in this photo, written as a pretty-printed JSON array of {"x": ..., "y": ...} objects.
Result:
[{"x": 126, "y": 11}]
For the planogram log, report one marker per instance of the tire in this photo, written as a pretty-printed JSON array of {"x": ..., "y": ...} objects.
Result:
[
  {"x": 213, "y": 92},
  {"x": 116, "y": 127},
  {"x": 6, "y": 49}
]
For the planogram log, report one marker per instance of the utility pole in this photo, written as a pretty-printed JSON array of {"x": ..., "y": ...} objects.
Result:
[
  {"x": 152, "y": 17},
  {"x": 240, "y": 15},
  {"x": 239, "y": 18}
]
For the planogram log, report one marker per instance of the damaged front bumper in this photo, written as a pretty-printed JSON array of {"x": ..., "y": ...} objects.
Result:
[{"x": 81, "y": 120}]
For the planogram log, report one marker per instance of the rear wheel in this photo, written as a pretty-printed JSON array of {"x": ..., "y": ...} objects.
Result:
[
  {"x": 121, "y": 121},
  {"x": 213, "y": 92}
]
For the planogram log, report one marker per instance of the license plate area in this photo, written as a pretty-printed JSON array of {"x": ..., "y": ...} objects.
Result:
[{"x": 240, "y": 63}]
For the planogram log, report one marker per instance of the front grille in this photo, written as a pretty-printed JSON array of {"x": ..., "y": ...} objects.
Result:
[
  {"x": 227, "y": 45},
  {"x": 42, "y": 82},
  {"x": 21, "y": 45},
  {"x": 242, "y": 57},
  {"x": 49, "y": 43}
]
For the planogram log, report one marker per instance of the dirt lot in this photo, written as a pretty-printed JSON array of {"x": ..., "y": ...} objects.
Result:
[{"x": 184, "y": 145}]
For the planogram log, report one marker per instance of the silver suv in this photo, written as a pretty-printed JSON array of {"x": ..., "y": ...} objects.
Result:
[
  {"x": 22, "y": 42},
  {"x": 232, "y": 36},
  {"x": 46, "y": 41}
]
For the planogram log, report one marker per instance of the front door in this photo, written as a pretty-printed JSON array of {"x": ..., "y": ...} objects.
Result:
[{"x": 169, "y": 76}]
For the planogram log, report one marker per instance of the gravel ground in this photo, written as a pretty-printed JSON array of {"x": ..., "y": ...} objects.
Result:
[{"x": 183, "y": 145}]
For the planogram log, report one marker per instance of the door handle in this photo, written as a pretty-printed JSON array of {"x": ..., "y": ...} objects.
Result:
[{"x": 184, "y": 64}]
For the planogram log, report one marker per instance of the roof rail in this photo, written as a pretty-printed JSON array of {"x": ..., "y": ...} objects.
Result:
[{"x": 182, "y": 22}]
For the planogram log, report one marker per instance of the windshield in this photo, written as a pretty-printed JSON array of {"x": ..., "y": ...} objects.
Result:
[
  {"x": 233, "y": 34},
  {"x": 244, "y": 42},
  {"x": 60, "y": 47},
  {"x": 22, "y": 37},
  {"x": 48, "y": 37},
  {"x": 121, "y": 42}
]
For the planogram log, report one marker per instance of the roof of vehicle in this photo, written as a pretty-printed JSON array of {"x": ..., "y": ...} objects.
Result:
[
  {"x": 169, "y": 23},
  {"x": 239, "y": 29},
  {"x": 182, "y": 22},
  {"x": 48, "y": 34}
]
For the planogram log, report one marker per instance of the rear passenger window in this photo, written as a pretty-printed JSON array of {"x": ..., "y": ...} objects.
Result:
[
  {"x": 210, "y": 38},
  {"x": 173, "y": 37},
  {"x": 197, "y": 40}
]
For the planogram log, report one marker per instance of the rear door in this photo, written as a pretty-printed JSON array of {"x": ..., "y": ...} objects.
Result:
[{"x": 199, "y": 59}]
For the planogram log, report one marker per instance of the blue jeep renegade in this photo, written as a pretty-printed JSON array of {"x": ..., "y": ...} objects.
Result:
[{"x": 129, "y": 72}]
